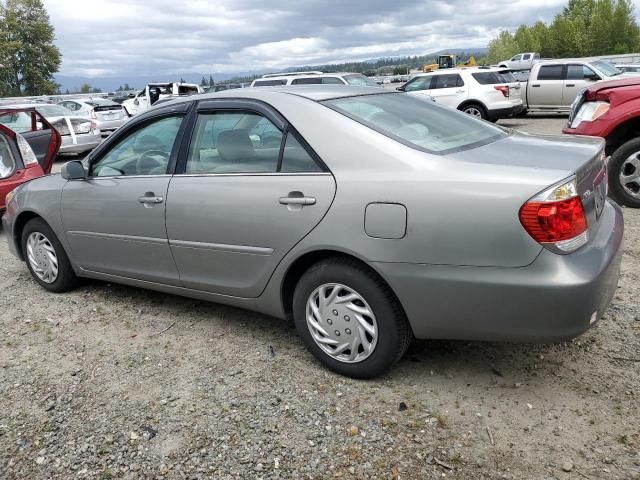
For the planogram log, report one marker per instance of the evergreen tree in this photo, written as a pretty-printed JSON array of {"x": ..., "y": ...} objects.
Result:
[
  {"x": 27, "y": 52},
  {"x": 211, "y": 82}
]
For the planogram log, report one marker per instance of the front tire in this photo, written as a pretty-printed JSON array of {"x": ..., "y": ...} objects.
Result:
[
  {"x": 46, "y": 259},
  {"x": 624, "y": 174},
  {"x": 349, "y": 319}
]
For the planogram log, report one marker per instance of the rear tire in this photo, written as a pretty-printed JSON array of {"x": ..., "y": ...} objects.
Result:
[
  {"x": 625, "y": 162},
  {"x": 46, "y": 259},
  {"x": 383, "y": 329},
  {"x": 475, "y": 110}
]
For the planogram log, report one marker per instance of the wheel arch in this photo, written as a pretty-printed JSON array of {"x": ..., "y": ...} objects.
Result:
[
  {"x": 301, "y": 264},
  {"x": 622, "y": 133},
  {"x": 18, "y": 226}
]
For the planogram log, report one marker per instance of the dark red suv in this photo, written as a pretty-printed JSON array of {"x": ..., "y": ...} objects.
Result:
[{"x": 611, "y": 110}]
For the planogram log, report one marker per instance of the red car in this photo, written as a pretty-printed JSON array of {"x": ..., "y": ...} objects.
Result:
[
  {"x": 611, "y": 110},
  {"x": 25, "y": 155}
]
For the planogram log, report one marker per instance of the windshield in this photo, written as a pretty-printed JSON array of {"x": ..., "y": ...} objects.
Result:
[
  {"x": 359, "y": 80},
  {"x": 607, "y": 68},
  {"x": 53, "y": 111},
  {"x": 416, "y": 122}
]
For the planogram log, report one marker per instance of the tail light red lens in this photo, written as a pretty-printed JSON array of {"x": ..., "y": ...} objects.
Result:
[
  {"x": 504, "y": 89},
  {"x": 93, "y": 115},
  {"x": 556, "y": 217}
]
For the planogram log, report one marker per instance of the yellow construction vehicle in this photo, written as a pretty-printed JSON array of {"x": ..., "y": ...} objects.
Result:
[{"x": 449, "y": 61}]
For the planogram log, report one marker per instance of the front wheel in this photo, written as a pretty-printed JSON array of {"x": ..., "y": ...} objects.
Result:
[
  {"x": 624, "y": 174},
  {"x": 349, "y": 319},
  {"x": 45, "y": 257}
]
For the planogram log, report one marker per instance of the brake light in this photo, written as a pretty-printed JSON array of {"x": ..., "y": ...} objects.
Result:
[
  {"x": 503, "y": 88},
  {"x": 29, "y": 158},
  {"x": 93, "y": 114},
  {"x": 94, "y": 125},
  {"x": 556, "y": 218}
]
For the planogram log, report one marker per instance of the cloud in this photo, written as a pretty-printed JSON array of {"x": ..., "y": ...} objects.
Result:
[{"x": 102, "y": 38}]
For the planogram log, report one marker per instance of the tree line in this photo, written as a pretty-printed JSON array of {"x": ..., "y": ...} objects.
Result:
[
  {"x": 583, "y": 28},
  {"x": 28, "y": 55}
]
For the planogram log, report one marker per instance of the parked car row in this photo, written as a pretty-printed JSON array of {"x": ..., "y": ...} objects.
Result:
[{"x": 363, "y": 214}]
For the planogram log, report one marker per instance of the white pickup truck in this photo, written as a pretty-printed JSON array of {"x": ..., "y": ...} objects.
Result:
[
  {"x": 157, "y": 91},
  {"x": 521, "y": 61}
]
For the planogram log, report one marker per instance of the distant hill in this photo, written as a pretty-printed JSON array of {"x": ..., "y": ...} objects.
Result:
[{"x": 109, "y": 84}]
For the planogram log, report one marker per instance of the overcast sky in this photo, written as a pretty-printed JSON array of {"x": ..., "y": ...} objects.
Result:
[{"x": 104, "y": 38}]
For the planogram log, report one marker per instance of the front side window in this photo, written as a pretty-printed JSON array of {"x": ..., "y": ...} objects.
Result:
[
  {"x": 550, "y": 72},
  {"x": 145, "y": 151},
  {"x": 579, "y": 72},
  {"x": 234, "y": 142},
  {"x": 418, "y": 83},
  {"x": 515, "y": 58},
  {"x": 416, "y": 122},
  {"x": 7, "y": 163},
  {"x": 448, "y": 81}
]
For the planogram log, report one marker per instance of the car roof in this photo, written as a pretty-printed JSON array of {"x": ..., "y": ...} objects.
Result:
[
  {"x": 308, "y": 75},
  {"x": 444, "y": 71},
  {"x": 316, "y": 93}
]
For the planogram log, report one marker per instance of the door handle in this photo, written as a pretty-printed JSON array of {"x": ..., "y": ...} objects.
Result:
[
  {"x": 570, "y": 85},
  {"x": 535, "y": 85},
  {"x": 150, "y": 197},
  {"x": 459, "y": 91},
  {"x": 298, "y": 199}
]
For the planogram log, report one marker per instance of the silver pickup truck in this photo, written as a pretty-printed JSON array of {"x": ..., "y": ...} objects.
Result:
[{"x": 554, "y": 84}]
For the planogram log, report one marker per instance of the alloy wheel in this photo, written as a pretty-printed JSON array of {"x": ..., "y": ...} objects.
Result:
[{"x": 341, "y": 323}]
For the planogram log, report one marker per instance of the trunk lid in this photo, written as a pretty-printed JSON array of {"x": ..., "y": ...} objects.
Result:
[{"x": 547, "y": 160}]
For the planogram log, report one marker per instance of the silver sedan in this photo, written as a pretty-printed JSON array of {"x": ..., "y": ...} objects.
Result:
[{"x": 369, "y": 217}]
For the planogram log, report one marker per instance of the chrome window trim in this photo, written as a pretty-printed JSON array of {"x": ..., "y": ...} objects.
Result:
[
  {"x": 255, "y": 174},
  {"x": 130, "y": 176}
]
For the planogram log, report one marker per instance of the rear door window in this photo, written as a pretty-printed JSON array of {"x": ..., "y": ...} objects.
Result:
[
  {"x": 306, "y": 81},
  {"x": 332, "y": 81},
  {"x": 447, "y": 81},
  {"x": 551, "y": 72}
]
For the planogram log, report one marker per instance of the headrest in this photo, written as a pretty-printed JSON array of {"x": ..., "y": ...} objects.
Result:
[{"x": 235, "y": 146}]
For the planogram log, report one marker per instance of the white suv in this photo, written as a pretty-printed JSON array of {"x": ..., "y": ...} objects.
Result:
[
  {"x": 314, "y": 78},
  {"x": 488, "y": 93}
]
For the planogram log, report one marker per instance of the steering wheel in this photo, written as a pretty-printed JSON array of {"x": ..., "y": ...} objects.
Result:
[{"x": 146, "y": 162}]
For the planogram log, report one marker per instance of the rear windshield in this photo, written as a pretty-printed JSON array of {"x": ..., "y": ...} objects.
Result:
[
  {"x": 492, "y": 78},
  {"x": 269, "y": 83},
  {"x": 416, "y": 122},
  {"x": 53, "y": 111}
]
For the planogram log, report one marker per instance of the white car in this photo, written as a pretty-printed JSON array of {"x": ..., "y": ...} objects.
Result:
[
  {"x": 521, "y": 61},
  {"x": 154, "y": 92},
  {"x": 107, "y": 115},
  {"x": 484, "y": 92},
  {"x": 314, "y": 78}
]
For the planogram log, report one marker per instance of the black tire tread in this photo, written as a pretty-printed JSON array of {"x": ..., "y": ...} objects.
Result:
[
  {"x": 67, "y": 279},
  {"x": 616, "y": 191},
  {"x": 405, "y": 334}
]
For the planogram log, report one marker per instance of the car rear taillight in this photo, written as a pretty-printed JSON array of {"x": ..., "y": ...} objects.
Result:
[
  {"x": 28, "y": 157},
  {"x": 556, "y": 218},
  {"x": 504, "y": 89},
  {"x": 93, "y": 114},
  {"x": 94, "y": 125}
]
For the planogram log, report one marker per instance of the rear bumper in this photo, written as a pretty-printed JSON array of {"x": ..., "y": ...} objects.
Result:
[
  {"x": 110, "y": 125},
  {"x": 507, "y": 112},
  {"x": 555, "y": 298},
  {"x": 83, "y": 142}
]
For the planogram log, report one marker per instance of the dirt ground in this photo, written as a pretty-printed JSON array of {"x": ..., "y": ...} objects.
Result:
[{"x": 113, "y": 382}]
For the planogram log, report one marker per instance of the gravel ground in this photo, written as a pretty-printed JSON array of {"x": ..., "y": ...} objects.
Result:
[{"x": 116, "y": 382}]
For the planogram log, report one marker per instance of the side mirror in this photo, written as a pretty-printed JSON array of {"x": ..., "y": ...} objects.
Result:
[
  {"x": 594, "y": 78},
  {"x": 401, "y": 88},
  {"x": 73, "y": 170}
]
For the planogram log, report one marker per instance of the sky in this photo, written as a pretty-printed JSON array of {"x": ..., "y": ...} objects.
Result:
[{"x": 109, "y": 38}]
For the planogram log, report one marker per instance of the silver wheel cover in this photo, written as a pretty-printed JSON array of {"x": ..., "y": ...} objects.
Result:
[
  {"x": 341, "y": 323},
  {"x": 42, "y": 257},
  {"x": 630, "y": 175}
]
